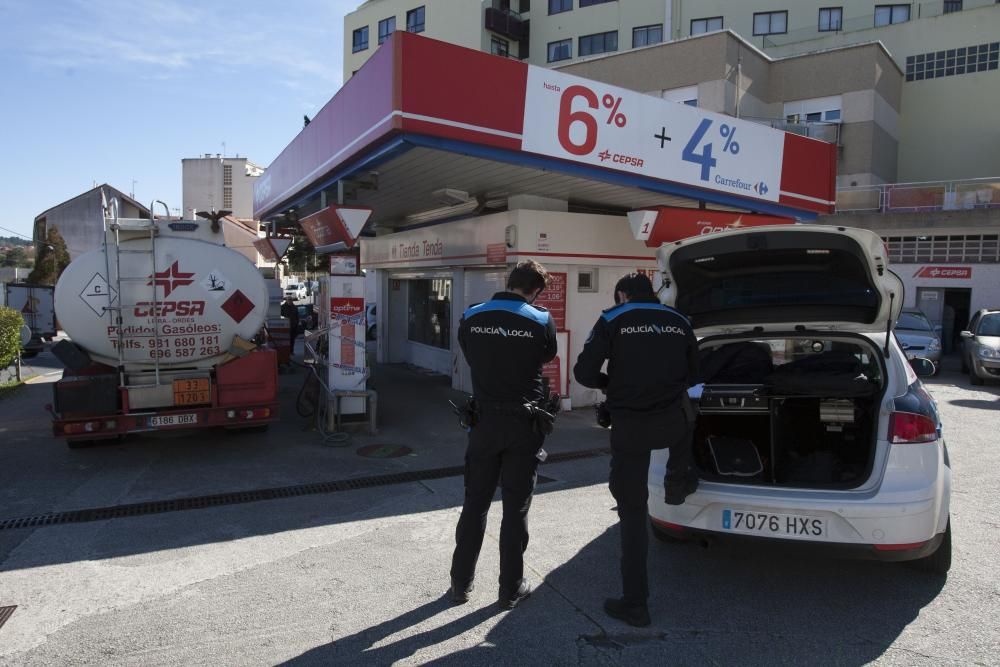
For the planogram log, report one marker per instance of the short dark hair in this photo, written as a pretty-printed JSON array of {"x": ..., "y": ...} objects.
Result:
[
  {"x": 635, "y": 285},
  {"x": 528, "y": 276}
]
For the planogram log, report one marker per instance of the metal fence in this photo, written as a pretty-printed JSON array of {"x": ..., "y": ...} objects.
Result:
[{"x": 931, "y": 196}]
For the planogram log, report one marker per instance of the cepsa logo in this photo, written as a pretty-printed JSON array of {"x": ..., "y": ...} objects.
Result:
[
  {"x": 652, "y": 329},
  {"x": 500, "y": 331},
  {"x": 620, "y": 158},
  {"x": 165, "y": 308}
]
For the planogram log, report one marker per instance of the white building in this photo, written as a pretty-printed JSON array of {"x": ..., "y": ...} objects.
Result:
[{"x": 217, "y": 183}]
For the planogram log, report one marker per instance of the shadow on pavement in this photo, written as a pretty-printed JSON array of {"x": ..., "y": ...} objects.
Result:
[{"x": 717, "y": 606}]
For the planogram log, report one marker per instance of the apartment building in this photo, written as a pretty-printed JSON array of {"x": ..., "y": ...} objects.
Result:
[{"x": 214, "y": 182}]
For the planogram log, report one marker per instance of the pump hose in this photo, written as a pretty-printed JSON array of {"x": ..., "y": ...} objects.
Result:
[{"x": 308, "y": 403}]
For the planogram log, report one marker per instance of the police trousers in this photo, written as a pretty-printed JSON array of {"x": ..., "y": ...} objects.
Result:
[
  {"x": 501, "y": 448},
  {"x": 633, "y": 436}
]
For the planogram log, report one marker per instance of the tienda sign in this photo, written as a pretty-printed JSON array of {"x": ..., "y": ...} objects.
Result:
[
  {"x": 666, "y": 224},
  {"x": 952, "y": 272}
]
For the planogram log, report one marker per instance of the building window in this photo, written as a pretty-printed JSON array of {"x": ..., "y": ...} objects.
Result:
[
  {"x": 831, "y": 19},
  {"x": 588, "y": 3},
  {"x": 770, "y": 23},
  {"x": 602, "y": 42},
  {"x": 227, "y": 198},
  {"x": 646, "y": 35},
  {"x": 952, "y": 62},
  {"x": 227, "y": 174},
  {"x": 561, "y": 50},
  {"x": 687, "y": 95},
  {"x": 816, "y": 110},
  {"x": 889, "y": 14},
  {"x": 415, "y": 20},
  {"x": 385, "y": 28},
  {"x": 970, "y": 249},
  {"x": 560, "y": 6},
  {"x": 499, "y": 47},
  {"x": 698, "y": 26},
  {"x": 952, "y": 6},
  {"x": 429, "y": 312},
  {"x": 360, "y": 40}
]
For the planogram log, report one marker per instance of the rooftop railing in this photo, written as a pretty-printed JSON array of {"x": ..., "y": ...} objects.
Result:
[{"x": 915, "y": 197}]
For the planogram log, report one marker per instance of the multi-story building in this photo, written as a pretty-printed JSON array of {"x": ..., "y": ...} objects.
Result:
[{"x": 217, "y": 183}]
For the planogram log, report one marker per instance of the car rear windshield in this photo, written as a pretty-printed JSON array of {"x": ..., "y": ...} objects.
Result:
[
  {"x": 913, "y": 322},
  {"x": 775, "y": 284},
  {"x": 989, "y": 325}
]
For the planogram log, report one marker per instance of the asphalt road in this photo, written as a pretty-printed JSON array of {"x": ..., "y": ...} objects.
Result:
[{"x": 358, "y": 577}]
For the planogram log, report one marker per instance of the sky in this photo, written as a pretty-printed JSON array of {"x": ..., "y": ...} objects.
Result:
[{"x": 116, "y": 91}]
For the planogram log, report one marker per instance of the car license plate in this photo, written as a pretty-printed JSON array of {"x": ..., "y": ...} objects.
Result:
[
  {"x": 767, "y": 523},
  {"x": 192, "y": 391},
  {"x": 174, "y": 420}
]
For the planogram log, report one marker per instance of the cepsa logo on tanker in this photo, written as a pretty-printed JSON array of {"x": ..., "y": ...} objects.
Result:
[{"x": 581, "y": 120}]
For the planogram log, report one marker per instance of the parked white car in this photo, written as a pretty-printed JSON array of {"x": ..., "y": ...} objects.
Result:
[
  {"x": 812, "y": 427},
  {"x": 295, "y": 290}
]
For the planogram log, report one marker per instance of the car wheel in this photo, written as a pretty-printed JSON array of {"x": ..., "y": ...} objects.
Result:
[
  {"x": 975, "y": 379},
  {"x": 666, "y": 536},
  {"x": 938, "y": 562}
]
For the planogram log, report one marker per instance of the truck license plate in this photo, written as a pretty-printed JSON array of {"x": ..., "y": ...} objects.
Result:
[
  {"x": 174, "y": 420},
  {"x": 192, "y": 391},
  {"x": 766, "y": 523}
]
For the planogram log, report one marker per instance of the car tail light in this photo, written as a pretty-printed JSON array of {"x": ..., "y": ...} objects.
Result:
[{"x": 907, "y": 427}]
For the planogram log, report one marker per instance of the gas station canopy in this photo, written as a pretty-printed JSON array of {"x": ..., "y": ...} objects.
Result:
[{"x": 425, "y": 122}]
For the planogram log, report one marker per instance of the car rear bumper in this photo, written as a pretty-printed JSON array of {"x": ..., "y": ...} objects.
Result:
[{"x": 882, "y": 552}]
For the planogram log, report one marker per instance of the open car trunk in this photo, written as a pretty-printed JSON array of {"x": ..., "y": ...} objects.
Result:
[{"x": 798, "y": 410}]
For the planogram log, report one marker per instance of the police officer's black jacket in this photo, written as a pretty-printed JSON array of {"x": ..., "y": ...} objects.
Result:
[
  {"x": 506, "y": 340},
  {"x": 652, "y": 356}
]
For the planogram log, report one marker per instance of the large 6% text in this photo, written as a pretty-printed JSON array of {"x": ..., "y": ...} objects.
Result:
[{"x": 584, "y": 119}]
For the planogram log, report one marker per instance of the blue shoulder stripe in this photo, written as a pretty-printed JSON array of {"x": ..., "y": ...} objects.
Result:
[
  {"x": 525, "y": 310},
  {"x": 612, "y": 313}
]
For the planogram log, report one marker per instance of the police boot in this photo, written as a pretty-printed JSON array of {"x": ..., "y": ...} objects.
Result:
[
  {"x": 459, "y": 593},
  {"x": 523, "y": 591},
  {"x": 635, "y": 615}
]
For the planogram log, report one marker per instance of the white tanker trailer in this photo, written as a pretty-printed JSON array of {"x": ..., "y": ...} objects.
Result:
[{"x": 160, "y": 321}]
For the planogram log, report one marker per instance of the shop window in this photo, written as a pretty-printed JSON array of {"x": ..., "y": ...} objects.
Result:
[
  {"x": 385, "y": 28},
  {"x": 359, "y": 41},
  {"x": 889, "y": 14},
  {"x": 499, "y": 47},
  {"x": 602, "y": 42},
  {"x": 646, "y": 35},
  {"x": 560, "y": 6},
  {"x": 561, "y": 50},
  {"x": 952, "y": 6},
  {"x": 770, "y": 23},
  {"x": 698, "y": 26},
  {"x": 588, "y": 3},
  {"x": 415, "y": 20},
  {"x": 586, "y": 280},
  {"x": 831, "y": 19},
  {"x": 429, "y": 312}
]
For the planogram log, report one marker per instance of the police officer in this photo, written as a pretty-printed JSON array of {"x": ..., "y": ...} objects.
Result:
[
  {"x": 505, "y": 340},
  {"x": 652, "y": 360}
]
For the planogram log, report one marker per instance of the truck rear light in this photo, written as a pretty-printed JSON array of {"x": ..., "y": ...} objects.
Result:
[
  {"x": 908, "y": 428},
  {"x": 230, "y": 414},
  {"x": 81, "y": 427}
]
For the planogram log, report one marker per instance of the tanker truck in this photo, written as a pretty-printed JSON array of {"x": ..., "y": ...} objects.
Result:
[{"x": 160, "y": 321}]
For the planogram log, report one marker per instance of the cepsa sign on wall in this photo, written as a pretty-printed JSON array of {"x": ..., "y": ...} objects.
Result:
[{"x": 578, "y": 119}]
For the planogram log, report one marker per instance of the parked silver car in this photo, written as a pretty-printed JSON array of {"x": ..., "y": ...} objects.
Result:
[
  {"x": 917, "y": 336},
  {"x": 981, "y": 346}
]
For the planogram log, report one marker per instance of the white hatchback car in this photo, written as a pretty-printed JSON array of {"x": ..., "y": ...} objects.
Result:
[{"x": 812, "y": 427}]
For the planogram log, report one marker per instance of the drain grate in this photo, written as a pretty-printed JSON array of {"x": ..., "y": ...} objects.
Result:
[
  {"x": 6, "y": 613},
  {"x": 253, "y": 496}
]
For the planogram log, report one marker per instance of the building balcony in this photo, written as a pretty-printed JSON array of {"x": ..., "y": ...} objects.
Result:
[
  {"x": 976, "y": 193},
  {"x": 506, "y": 22},
  {"x": 828, "y": 132}
]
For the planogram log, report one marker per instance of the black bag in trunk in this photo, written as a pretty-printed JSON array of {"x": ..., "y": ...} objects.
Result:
[{"x": 827, "y": 374}]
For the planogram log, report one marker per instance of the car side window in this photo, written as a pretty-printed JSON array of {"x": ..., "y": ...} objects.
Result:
[{"x": 973, "y": 322}]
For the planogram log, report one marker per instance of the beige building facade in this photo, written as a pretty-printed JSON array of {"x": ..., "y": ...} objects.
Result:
[{"x": 217, "y": 183}]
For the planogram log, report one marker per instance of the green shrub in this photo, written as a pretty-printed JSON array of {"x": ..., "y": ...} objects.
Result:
[{"x": 10, "y": 335}]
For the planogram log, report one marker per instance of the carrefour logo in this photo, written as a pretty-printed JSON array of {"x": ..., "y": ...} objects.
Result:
[
  {"x": 500, "y": 331},
  {"x": 652, "y": 329}
]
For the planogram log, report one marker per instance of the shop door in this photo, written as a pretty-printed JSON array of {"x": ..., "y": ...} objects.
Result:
[{"x": 955, "y": 316}]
